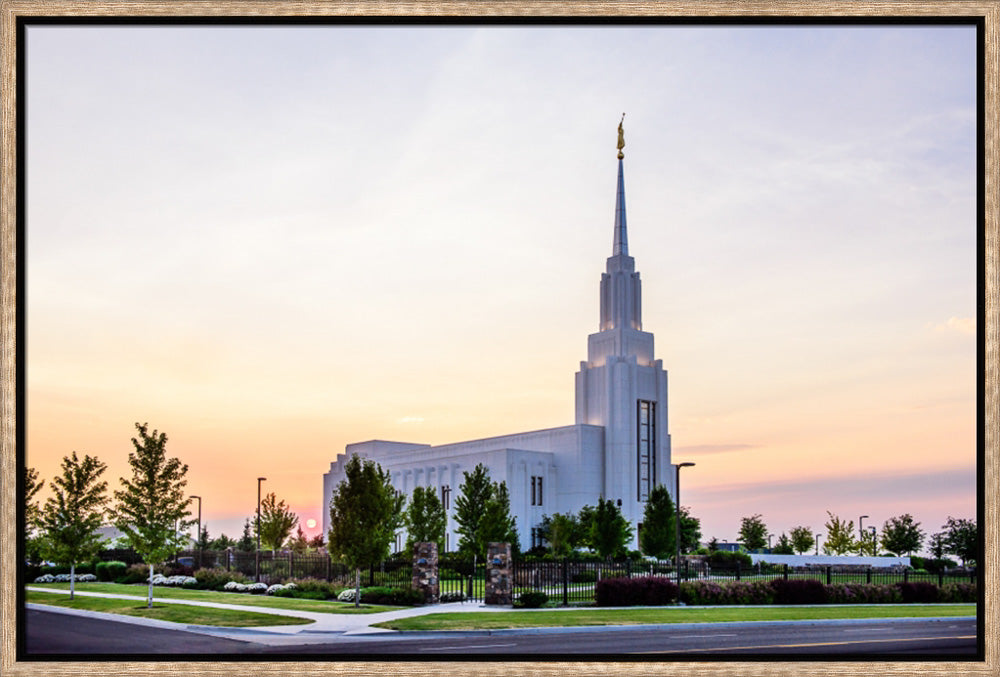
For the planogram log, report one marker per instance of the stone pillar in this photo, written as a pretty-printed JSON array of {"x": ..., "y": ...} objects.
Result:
[
  {"x": 499, "y": 581},
  {"x": 425, "y": 570}
]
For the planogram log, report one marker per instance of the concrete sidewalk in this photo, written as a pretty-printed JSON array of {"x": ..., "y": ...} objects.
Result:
[{"x": 324, "y": 627}]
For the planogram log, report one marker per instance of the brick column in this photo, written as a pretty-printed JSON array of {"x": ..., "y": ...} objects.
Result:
[
  {"x": 425, "y": 570},
  {"x": 499, "y": 583}
]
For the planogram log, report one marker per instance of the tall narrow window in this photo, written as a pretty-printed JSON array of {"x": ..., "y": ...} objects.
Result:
[
  {"x": 646, "y": 451},
  {"x": 536, "y": 490}
]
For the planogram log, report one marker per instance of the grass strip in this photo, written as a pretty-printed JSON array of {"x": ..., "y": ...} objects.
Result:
[
  {"x": 241, "y": 599},
  {"x": 175, "y": 612},
  {"x": 491, "y": 620}
]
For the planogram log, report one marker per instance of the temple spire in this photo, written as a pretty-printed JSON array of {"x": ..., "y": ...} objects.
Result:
[{"x": 621, "y": 233}]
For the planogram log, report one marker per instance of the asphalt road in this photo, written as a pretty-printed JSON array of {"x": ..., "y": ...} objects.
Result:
[
  {"x": 910, "y": 638},
  {"x": 51, "y": 633}
]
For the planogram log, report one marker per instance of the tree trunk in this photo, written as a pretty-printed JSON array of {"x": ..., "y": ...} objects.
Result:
[
  {"x": 357, "y": 587},
  {"x": 149, "y": 598},
  {"x": 72, "y": 579}
]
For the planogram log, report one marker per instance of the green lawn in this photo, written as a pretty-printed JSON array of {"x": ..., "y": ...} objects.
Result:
[
  {"x": 490, "y": 620},
  {"x": 174, "y": 612},
  {"x": 241, "y": 599}
]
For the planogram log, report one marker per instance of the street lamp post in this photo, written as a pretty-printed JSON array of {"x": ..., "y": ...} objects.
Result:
[
  {"x": 197, "y": 541},
  {"x": 818, "y": 536},
  {"x": 257, "y": 553},
  {"x": 677, "y": 522},
  {"x": 861, "y": 533},
  {"x": 874, "y": 548}
]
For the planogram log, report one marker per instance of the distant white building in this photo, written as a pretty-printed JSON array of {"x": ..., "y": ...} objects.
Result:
[{"x": 618, "y": 449}]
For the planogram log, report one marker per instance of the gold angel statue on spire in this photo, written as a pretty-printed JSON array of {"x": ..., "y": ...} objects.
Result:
[{"x": 621, "y": 137}]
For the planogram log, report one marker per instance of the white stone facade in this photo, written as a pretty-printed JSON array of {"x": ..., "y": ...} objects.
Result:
[{"x": 618, "y": 449}]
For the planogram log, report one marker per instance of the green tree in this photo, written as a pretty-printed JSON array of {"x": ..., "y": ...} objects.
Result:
[
  {"x": 867, "y": 543},
  {"x": 961, "y": 538},
  {"x": 753, "y": 533},
  {"x": 657, "y": 537},
  {"x": 802, "y": 539},
  {"x": 713, "y": 544},
  {"x": 937, "y": 544},
  {"x": 151, "y": 507},
  {"x": 498, "y": 525},
  {"x": 585, "y": 518},
  {"x": 32, "y": 516},
  {"x": 299, "y": 544},
  {"x": 609, "y": 531},
  {"x": 783, "y": 546},
  {"x": 562, "y": 531},
  {"x": 317, "y": 542},
  {"x": 426, "y": 519},
  {"x": 470, "y": 507},
  {"x": 902, "y": 535},
  {"x": 276, "y": 521},
  {"x": 221, "y": 543},
  {"x": 74, "y": 512},
  {"x": 365, "y": 512},
  {"x": 690, "y": 531},
  {"x": 203, "y": 542},
  {"x": 247, "y": 542},
  {"x": 839, "y": 536}
]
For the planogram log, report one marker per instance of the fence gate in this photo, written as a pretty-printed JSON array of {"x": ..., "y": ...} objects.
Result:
[{"x": 461, "y": 578}]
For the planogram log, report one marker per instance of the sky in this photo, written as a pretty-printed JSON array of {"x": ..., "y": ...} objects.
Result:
[{"x": 269, "y": 242}]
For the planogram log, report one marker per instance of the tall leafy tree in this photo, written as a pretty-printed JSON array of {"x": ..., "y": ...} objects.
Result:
[
  {"x": 74, "y": 512},
  {"x": 426, "y": 518},
  {"x": 657, "y": 536},
  {"x": 902, "y": 535},
  {"x": 961, "y": 538},
  {"x": 151, "y": 509},
  {"x": 276, "y": 521},
  {"x": 690, "y": 530},
  {"x": 937, "y": 544},
  {"x": 203, "y": 542},
  {"x": 470, "y": 506},
  {"x": 498, "y": 525},
  {"x": 32, "y": 516},
  {"x": 563, "y": 533},
  {"x": 317, "y": 542},
  {"x": 609, "y": 530},
  {"x": 585, "y": 518},
  {"x": 802, "y": 539},
  {"x": 753, "y": 533},
  {"x": 365, "y": 512},
  {"x": 839, "y": 535}
]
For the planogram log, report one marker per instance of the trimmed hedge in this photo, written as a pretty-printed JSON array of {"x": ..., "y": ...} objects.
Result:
[
  {"x": 531, "y": 600},
  {"x": 110, "y": 571},
  {"x": 655, "y": 591}
]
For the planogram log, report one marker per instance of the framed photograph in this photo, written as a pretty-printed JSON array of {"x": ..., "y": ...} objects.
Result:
[{"x": 556, "y": 336}]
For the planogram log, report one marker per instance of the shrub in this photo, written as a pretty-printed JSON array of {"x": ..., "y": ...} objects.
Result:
[
  {"x": 643, "y": 591},
  {"x": 216, "y": 579},
  {"x": 531, "y": 600},
  {"x": 584, "y": 577},
  {"x": 798, "y": 591},
  {"x": 110, "y": 571},
  {"x": 176, "y": 569},
  {"x": 861, "y": 593},
  {"x": 708, "y": 593},
  {"x": 45, "y": 578},
  {"x": 958, "y": 592},
  {"x": 257, "y": 588},
  {"x": 937, "y": 565},
  {"x": 729, "y": 560},
  {"x": 921, "y": 593},
  {"x": 453, "y": 596},
  {"x": 233, "y": 586}
]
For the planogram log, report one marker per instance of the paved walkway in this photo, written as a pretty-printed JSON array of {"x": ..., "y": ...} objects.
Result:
[{"x": 324, "y": 628}]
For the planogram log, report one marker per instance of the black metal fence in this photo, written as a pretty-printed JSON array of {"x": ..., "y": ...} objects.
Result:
[{"x": 574, "y": 582}]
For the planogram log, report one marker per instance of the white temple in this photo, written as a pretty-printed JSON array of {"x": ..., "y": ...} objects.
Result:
[{"x": 618, "y": 449}]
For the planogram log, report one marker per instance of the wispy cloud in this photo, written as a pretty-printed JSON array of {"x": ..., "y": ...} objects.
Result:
[{"x": 409, "y": 420}]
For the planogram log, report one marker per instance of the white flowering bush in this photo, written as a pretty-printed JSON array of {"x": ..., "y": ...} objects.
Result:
[
  {"x": 160, "y": 579},
  {"x": 177, "y": 581},
  {"x": 45, "y": 578},
  {"x": 87, "y": 578},
  {"x": 346, "y": 595},
  {"x": 66, "y": 578},
  {"x": 233, "y": 586},
  {"x": 271, "y": 589},
  {"x": 257, "y": 588}
]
